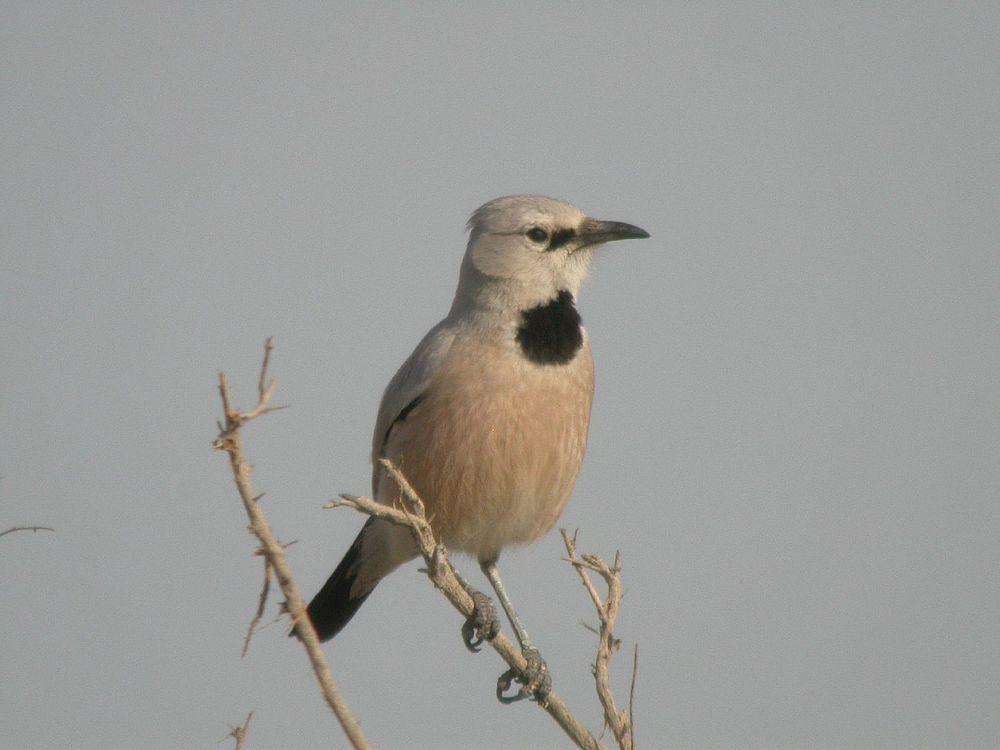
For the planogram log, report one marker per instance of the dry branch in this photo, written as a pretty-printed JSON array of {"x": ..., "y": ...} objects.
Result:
[
  {"x": 230, "y": 440},
  {"x": 620, "y": 722},
  {"x": 443, "y": 576}
]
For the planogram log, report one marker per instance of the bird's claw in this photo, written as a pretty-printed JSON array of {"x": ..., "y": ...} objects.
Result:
[
  {"x": 482, "y": 624},
  {"x": 536, "y": 682}
]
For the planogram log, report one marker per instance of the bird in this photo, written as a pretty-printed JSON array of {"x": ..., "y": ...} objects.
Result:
[{"x": 488, "y": 417}]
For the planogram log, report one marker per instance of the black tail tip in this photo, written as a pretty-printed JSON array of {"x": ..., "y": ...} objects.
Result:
[
  {"x": 331, "y": 610},
  {"x": 338, "y": 601},
  {"x": 340, "y": 598}
]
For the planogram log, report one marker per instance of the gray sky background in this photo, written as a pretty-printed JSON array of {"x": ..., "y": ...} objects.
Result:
[{"x": 795, "y": 435}]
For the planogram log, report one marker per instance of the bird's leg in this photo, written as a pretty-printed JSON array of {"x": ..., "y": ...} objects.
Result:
[
  {"x": 483, "y": 624},
  {"x": 535, "y": 680}
]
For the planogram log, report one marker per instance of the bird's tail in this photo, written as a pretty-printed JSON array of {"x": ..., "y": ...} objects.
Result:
[{"x": 378, "y": 549}]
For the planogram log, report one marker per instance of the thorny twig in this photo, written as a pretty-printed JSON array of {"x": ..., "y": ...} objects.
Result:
[
  {"x": 620, "y": 722},
  {"x": 230, "y": 440}
]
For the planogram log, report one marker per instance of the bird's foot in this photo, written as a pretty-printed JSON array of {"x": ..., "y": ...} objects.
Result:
[
  {"x": 482, "y": 624},
  {"x": 536, "y": 682}
]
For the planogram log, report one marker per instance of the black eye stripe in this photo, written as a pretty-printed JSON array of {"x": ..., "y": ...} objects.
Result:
[{"x": 560, "y": 237}]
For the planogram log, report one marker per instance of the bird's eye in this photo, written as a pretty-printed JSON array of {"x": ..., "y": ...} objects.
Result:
[{"x": 537, "y": 234}]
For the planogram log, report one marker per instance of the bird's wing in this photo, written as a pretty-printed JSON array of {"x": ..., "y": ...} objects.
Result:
[{"x": 408, "y": 386}]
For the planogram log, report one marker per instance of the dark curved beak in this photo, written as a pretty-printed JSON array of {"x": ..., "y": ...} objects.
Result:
[{"x": 596, "y": 232}]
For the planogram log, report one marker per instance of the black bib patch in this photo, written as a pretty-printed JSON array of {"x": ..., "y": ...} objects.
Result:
[{"x": 550, "y": 334}]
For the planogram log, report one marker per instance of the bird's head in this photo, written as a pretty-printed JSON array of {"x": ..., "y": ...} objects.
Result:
[{"x": 524, "y": 249}]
